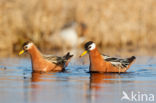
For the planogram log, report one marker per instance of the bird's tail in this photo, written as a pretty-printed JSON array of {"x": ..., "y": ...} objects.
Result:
[
  {"x": 131, "y": 59},
  {"x": 67, "y": 56}
]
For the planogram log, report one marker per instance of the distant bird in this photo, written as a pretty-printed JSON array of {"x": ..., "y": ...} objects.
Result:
[
  {"x": 45, "y": 63},
  {"x": 71, "y": 35},
  {"x": 68, "y": 35},
  {"x": 104, "y": 63}
]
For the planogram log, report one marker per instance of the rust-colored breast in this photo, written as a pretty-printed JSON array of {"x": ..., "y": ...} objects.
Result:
[
  {"x": 45, "y": 66},
  {"x": 40, "y": 64}
]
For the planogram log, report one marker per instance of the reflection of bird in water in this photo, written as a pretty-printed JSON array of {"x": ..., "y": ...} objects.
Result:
[
  {"x": 99, "y": 82},
  {"x": 38, "y": 77},
  {"x": 39, "y": 89},
  {"x": 101, "y": 78}
]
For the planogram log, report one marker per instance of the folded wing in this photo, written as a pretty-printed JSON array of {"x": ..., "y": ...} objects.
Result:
[
  {"x": 57, "y": 59},
  {"x": 118, "y": 62}
]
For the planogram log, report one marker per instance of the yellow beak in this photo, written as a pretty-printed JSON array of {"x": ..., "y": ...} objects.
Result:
[
  {"x": 21, "y": 52},
  {"x": 83, "y": 53}
]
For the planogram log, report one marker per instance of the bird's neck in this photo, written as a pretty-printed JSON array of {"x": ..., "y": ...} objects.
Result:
[
  {"x": 96, "y": 60},
  {"x": 35, "y": 53}
]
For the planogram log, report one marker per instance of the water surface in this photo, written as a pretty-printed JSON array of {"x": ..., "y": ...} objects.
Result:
[{"x": 19, "y": 85}]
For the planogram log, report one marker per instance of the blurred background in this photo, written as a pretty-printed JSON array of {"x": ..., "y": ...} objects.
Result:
[{"x": 117, "y": 26}]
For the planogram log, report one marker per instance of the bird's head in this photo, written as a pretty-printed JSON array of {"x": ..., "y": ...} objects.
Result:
[
  {"x": 26, "y": 47},
  {"x": 89, "y": 46}
]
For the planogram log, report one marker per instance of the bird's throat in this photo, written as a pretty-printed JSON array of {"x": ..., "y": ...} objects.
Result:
[{"x": 96, "y": 61}]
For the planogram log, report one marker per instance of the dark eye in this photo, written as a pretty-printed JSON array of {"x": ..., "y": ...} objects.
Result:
[
  {"x": 25, "y": 47},
  {"x": 89, "y": 47}
]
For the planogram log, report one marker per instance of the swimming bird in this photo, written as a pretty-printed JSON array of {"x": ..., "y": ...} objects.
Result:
[
  {"x": 103, "y": 63},
  {"x": 45, "y": 63}
]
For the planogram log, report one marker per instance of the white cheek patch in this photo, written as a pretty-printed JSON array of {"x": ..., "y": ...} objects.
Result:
[
  {"x": 92, "y": 46},
  {"x": 29, "y": 45}
]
